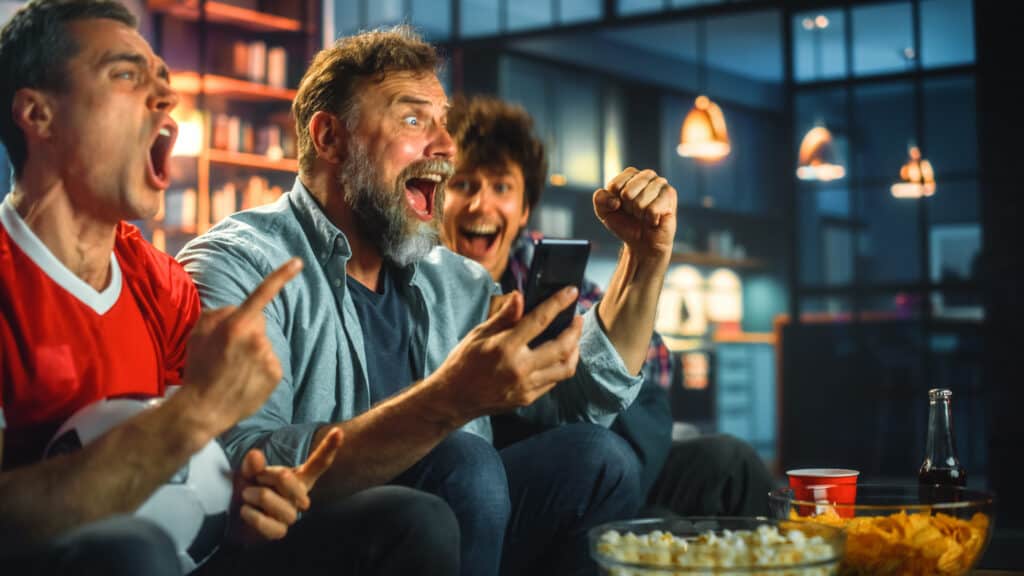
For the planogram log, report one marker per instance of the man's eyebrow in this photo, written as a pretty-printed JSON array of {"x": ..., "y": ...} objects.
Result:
[
  {"x": 136, "y": 59},
  {"x": 408, "y": 99}
]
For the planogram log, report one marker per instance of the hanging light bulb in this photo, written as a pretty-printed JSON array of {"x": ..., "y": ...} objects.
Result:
[
  {"x": 917, "y": 178},
  {"x": 818, "y": 157},
  {"x": 703, "y": 135}
]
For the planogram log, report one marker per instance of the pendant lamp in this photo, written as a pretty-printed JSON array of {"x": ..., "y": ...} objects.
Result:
[
  {"x": 703, "y": 134},
  {"x": 917, "y": 179},
  {"x": 817, "y": 160}
]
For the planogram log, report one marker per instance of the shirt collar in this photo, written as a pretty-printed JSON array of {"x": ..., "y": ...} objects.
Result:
[{"x": 326, "y": 239}]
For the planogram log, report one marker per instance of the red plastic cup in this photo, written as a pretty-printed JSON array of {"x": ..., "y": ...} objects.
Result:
[{"x": 825, "y": 487}]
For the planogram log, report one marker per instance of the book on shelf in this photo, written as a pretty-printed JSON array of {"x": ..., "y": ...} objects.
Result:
[
  {"x": 179, "y": 208},
  {"x": 277, "y": 67}
]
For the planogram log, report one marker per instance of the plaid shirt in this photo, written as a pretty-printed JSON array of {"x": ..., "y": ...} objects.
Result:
[{"x": 657, "y": 368}]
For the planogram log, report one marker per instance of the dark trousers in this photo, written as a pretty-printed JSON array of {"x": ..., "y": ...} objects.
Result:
[
  {"x": 119, "y": 546},
  {"x": 387, "y": 530},
  {"x": 711, "y": 476},
  {"x": 526, "y": 509}
]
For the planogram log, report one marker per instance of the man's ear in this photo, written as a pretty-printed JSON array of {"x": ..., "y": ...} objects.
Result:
[
  {"x": 33, "y": 111},
  {"x": 329, "y": 136},
  {"x": 525, "y": 217}
]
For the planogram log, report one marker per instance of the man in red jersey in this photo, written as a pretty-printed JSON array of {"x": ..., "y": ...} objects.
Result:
[{"x": 89, "y": 310}]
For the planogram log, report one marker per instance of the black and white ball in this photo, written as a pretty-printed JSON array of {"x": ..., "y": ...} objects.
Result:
[{"x": 192, "y": 506}]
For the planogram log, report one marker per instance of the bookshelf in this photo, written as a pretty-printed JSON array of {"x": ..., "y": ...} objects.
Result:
[{"x": 236, "y": 65}]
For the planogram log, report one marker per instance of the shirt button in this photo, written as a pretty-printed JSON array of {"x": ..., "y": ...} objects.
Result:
[{"x": 337, "y": 282}]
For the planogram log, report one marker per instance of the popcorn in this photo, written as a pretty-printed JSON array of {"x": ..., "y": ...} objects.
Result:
[{"x": 764, "y": 547}]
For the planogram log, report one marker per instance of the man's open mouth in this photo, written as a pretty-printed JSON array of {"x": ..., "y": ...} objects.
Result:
[
  {"x": 420, "y": 192},
  {"x": 476, "y": 240},
  {"x": 157, "y": 168}
]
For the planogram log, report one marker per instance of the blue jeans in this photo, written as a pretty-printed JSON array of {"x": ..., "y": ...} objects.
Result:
[
  {"x": 380, "y": 531},
  {"x": 118, "y": 546},
  {"x": 527, "y": 508}
]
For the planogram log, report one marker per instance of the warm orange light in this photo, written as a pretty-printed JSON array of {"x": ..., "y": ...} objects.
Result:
[
  {"x": 190, "y": 132},
  {"x": 817, "y": 157},
  {"x": 703, "y": 135},
  {"x": 557, "y": 179},
  {"x": 917, "y": 178}
]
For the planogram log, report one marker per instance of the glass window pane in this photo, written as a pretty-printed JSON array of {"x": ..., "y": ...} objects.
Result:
[
  {"x": 578, "y": 108},
  {"x": 890, "y": 306},
  {"x": 524, "y": 83},
  {"x": 384, "y": 12},
  {"x": 571, "y": 11},
  {"x": 678, "y": 169},
  {"x": 346, "y": 18},
  {"x": 819, "y": 50},
  {"x": 524, "y": 14},
  {"x": 433, "y": 18},
  {"x": 947, "y": 32},
  {"x": 955, "y": 250},
  {"x": 883, "y": 124},
  {"x": 748, "y": 46},
  {"x": 478, "y": 17},
  {"x": 882, "y": 34},
  {"x": 888, "y": 249},
  {"x": 950, "y": 134},
  {"x": 688, "y": 3},
  {"x": 825, "y": 309},
  {"x": 958, "y": 304},
  {"x": 826, "y": 236},
  {"x": 625, "y": 7},
  {"x": 954, "y": 202}
]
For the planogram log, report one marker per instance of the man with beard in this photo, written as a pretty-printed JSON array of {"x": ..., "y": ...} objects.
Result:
[
  {"x": 399, "y": 343},
  {"x": 498, "y": 182}
]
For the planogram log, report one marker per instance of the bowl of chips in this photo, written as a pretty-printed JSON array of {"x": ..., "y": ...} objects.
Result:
[
  {"x": 901, "y": 529},
  {"x": 749, "y": 546}
]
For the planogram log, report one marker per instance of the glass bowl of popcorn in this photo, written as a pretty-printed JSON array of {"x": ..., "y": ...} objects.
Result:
[
  {"x": 750, "y": 546},
  {"x": 907, "y": 530}
]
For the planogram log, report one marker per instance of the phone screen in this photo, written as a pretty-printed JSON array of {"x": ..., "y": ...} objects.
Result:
[{"x": 557, "y": 263}]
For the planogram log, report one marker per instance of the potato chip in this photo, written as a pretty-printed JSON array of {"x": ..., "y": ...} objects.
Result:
[{"x": 908, "y": 544}]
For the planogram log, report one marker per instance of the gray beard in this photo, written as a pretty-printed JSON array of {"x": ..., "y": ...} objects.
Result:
[{"x": 384, "y": 219}]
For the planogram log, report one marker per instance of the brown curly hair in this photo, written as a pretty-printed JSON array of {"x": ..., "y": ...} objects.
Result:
[
  {"x": 491, "y": 132},
  {"x": 337, "y": 73}
]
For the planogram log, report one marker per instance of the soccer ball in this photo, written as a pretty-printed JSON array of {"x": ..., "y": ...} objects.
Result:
[{"x": 192, "y": 507}]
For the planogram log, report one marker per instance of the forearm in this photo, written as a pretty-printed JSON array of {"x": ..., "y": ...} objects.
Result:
[
  {"x": 112, "y": 475},
  {"x": 628, "y": 307},
  {"x": 382, "y": 443}
]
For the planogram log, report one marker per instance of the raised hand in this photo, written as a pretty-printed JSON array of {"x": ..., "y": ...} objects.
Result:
[
  {"x": 639, "y": 208},
  {"x": 231, "y": 368},
  {"x": 494, "y": 370},
  {"x": 269, "y": 498}
]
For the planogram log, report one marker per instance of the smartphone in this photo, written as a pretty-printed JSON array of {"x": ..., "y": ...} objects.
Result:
[{"x": 557, "y": 263}]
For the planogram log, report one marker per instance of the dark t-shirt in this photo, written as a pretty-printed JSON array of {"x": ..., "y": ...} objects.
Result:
[{"x": 384, "y": 317}]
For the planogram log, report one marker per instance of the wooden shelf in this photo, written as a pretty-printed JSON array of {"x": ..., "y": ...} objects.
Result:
[
  {"x": 714, "y": 260},
  {"x": 222, "y": 13},
  {"x": 253, "y": 161},
  {"x": 178, "y": 229},
  {"x": 212, "y": 84}
]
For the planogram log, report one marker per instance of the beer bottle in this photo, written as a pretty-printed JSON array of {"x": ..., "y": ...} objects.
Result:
[{"x": 941, "y": 466}]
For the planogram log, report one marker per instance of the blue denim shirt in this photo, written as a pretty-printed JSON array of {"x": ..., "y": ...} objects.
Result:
[{"x": 316, "y": 335}]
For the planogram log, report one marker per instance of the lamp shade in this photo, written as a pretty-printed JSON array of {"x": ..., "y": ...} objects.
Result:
[
  {"x": 917, "y": 179},
  {"x": 703, "y": 135},
  {"x": 818, "y": 157}
]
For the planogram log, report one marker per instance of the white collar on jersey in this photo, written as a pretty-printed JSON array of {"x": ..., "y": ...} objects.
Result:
[{"x": 31, "y": 245}]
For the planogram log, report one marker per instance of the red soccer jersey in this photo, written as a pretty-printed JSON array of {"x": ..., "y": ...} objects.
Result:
[{"x": 64, "y": 345}]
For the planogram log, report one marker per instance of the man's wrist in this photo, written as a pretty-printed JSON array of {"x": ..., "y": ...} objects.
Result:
[{"x": 190, "y": 418}]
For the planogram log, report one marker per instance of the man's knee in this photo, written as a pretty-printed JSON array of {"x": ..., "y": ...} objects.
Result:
[
  {"x": 603, "y": 455},
  {"x": 123, "y": 545},
  {"x": 473, "y": 475}
]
